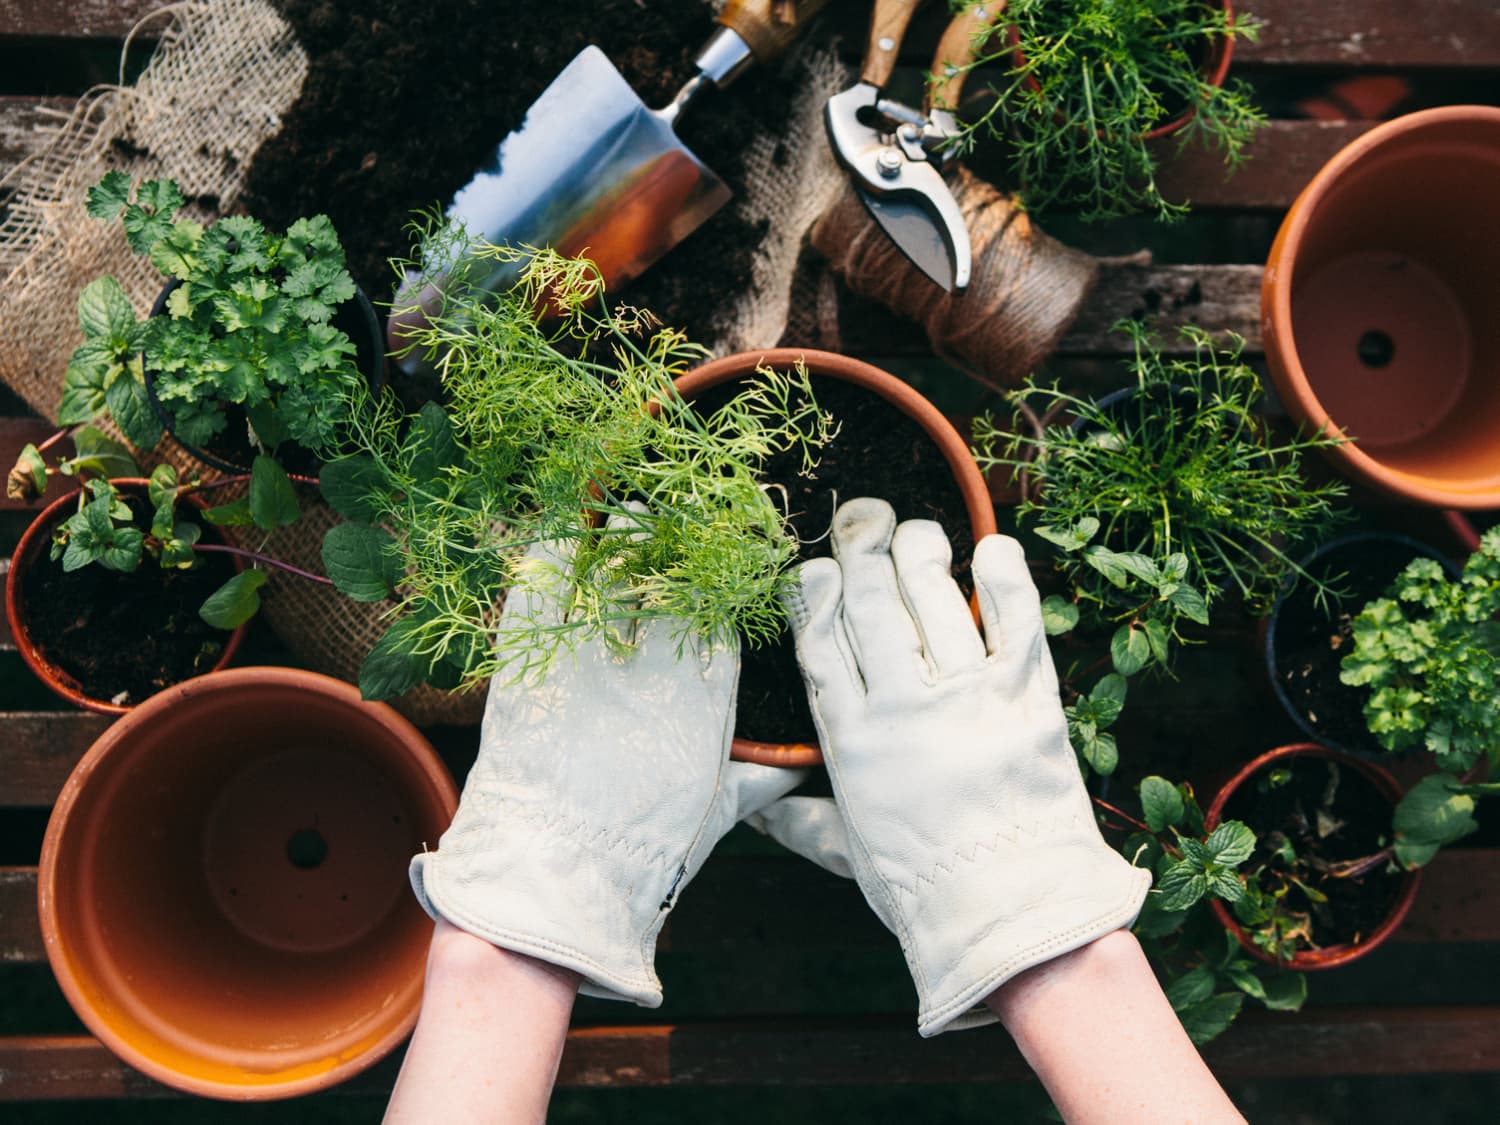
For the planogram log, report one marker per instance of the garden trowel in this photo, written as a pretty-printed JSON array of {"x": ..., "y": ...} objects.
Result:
[{"x": 593, "y": 172}]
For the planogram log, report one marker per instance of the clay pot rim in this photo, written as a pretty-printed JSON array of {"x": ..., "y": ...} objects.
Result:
[
  {"x": 1276, "y": 315},
  {"x": 403, "y": 732},
  {"x": 955, "y": 450},
  {"x": 33, "y": 543},
  {"x": 1334, "y": 955},
  {"x": 1215, "y": 68},
  {"x": 1268, "y": 624}
]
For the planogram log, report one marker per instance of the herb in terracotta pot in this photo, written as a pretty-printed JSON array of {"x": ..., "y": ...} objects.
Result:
[
  {"x": 563, "y": 427},
  {"x": 244, "y": 358},
  {"x": 1205, "y": 972},
  {"x": 1090, "y": 84},
  {"x": 1323, "y": 886},
  {"x": 1429, "y": 653},
  {"x": 1159, "y": 501}
]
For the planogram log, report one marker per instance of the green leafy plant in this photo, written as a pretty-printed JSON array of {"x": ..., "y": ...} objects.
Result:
[
  {"x": 1206, "y": 972},
  {"x": 247, "y": 326},
  {"x": 1429, "y": 652},
  {"x": 1157, "y": 504},
  {"x": 559, "y": 423},
  {"x": 1087, "y": 81}
]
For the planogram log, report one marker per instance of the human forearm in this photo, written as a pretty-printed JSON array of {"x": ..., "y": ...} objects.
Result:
[
  {"x": 1097, "y": 1029},
  {"x": 491, "y": 1033}
]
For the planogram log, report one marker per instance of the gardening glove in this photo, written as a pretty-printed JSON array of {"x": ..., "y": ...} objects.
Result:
[
  {"x": 597, "y": 794},
  {"x": 960, "y": 811}
]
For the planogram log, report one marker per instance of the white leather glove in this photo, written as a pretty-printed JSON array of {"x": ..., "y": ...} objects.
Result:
[
  {"x": 596, "y": 796},
  {"x": 960, "y": 810}
]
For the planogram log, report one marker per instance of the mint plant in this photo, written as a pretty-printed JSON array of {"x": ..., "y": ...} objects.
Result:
[
  {"x": 1093, "y": 79},
  {"x": 559, "y": 423},
  {"x": 1429, "y": 652},
  {"x": 247, "y": 325}
]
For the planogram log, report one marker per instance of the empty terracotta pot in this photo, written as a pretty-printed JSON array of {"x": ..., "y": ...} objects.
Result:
[
  {"x": 955, "y": 451},
  {"x": 223, "y": 889},
  {"x": 1378, "y": 307}
]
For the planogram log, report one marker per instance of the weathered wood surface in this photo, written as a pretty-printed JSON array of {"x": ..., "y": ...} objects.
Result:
[
  {"x": 742, "y": 905},
  {"x": 870, "y": 1050},
  {"x": 74, "y": 19},
  {"x": 38, "y": 749}
]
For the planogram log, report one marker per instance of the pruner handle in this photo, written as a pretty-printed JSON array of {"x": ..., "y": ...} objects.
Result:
[{"x": 956, "y": 50}]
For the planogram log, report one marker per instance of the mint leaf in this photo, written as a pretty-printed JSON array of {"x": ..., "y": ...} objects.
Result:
[
  {"x": 1208, "y": 1018},
  {"x": 1129, "y": 650},
  {"x": 1070, "y": 538},
  {"x": 235, "y": 602},
  {"x": 351, "y": 486},
  {"x": 1230, "y": 844},
  {"x": 105, "y": 311},
  {"x": 362, "y": 561},
  {"x": 1190, "y": 604},
  {"x": 1058, "y": 615},
  {"x": 131, "y": 408},
  {"x": 273, "y": 500},
  {"x": 1162, "y": 803}
]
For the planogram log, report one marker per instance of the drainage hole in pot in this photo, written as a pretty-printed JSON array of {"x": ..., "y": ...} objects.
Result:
[
  {"x": 306, "y": 848},
  {"x": 1376, "y": 349}
]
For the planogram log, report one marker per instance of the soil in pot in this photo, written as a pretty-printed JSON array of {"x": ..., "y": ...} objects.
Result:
[
  {"x": 878, "y": 451},
  {"x": 1330, "y": 814},
  {"x": 125, "y": 637},
  {"x": 404, "y": 101},
  {"x": 1308, "y": 641}
]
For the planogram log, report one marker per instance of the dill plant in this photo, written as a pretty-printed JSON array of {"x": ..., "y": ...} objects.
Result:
[
  {"x": 1086, "y": 82},
  {"x": 559, "y": 423}
]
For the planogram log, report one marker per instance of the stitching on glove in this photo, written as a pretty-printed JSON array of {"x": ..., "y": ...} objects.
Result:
[
  {"x": 584, "y": 835},
  {"x": 1016, "y": 837}
]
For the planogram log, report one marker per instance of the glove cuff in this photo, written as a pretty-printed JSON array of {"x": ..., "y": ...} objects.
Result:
[
  {"x": 579, "y": 922},
  {"x": 1017, "y": 929}
]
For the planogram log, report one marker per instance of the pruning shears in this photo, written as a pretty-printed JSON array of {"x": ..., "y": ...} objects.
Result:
[{"x": 894, "y": 152}]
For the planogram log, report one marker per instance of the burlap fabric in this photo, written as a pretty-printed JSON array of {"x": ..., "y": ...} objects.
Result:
[{"x": 215, "y": 89}]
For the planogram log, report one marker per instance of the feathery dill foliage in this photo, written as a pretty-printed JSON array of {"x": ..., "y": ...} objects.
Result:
[
  {"x": 1182, "y": 466},
  {"x": 563, "y": 428},
  {"x": 1096, "y": 77}
]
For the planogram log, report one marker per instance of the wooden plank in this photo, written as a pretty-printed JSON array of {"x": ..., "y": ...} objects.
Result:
[
  {"x": 20, "y": 118},
  {"x": 743, "y": 905},
  {"x": 1223, "y": 299},
  {"x": 1279, "y": 162},
  {"x": 868, "y": 1051},
  {"x": 74, "y": 19},
  {"x": 1366, "y": 33},
  {"x": 39, "y": 749}
]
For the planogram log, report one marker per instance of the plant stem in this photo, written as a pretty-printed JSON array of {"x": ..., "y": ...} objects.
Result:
[
  {"x": 54, "y": 439},
  {"x": 266, "y": 559}
]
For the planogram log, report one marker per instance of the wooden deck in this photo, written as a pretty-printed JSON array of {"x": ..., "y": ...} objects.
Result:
[{"x": 1397, "y": 1012}]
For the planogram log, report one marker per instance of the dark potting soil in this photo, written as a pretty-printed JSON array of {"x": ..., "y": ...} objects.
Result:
[
  {"x": 124, "y": 637},
  {"x": 404, "y": 101},
  {"x": 1310, "y": 641},
  {"x": 1353, "y": 824},
  {"x": 878, "y": 451}
]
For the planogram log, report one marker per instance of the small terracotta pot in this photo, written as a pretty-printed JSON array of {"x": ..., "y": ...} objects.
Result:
[
  {"x": 1334, "y": 955},
  {"x": 1378, "y": 308},
  {"x": 1215, "y": 69},
  {"x": 223, "y": 888},
  {"x": 35, "y": 544},
  {"x": 955, "y": 451}
]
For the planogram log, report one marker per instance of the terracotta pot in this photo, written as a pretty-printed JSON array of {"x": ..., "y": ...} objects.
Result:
[
  {"x": 223, "y": 888},
  {"x": 356, "y": 318},
  {"x": 1215, "y": 69},
  {"x": 828, "y": 365},
  {"x": 1377, "y": 307},
  {"x": 1370, "y": 562},
  {"x": 1334, "y": 955},
  {"x": 1467, "y": 529},
  {"x": 33, "y": 549}
]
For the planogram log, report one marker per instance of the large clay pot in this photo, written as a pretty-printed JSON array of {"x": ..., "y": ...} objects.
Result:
[
  {"x": 1378, "y": 307},
  {"x": 32, "y": 551},
  {"x": 223, "y": 890},
  {"x": 1331, "y": 956},
  {"x": 955, "y": 451}
]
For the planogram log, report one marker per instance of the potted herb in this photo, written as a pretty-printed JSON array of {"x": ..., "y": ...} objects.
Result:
[
  {"x": 1157, "y": 503},
  {"x": 1323, "y": 887},
  {"x": 1091, "y": 84},
  {"x": 244, "y": 352},
  {"x": 1428, "y": 656},
  {"x": 1310, "y": 631},
  {"x": 1206, "y": 973}
]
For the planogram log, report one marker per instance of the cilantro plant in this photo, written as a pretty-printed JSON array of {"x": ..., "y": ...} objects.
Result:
[
  {"x": 1429, "y": 651},
  {"x": 1157, "y": 505},
  {"x": 1093, "y": 79},
  {"x": 559, "y": 423},
  {"x": 1207, "y": 974},
  {"x": 247, "y": 326}
]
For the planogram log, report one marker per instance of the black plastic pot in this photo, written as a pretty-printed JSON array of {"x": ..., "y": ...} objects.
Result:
[
  {"x": 1304, "y": 644},
  {"x": 355, "y": 317}
]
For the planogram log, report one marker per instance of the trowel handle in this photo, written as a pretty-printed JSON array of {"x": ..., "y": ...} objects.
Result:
[{"x": 769, "y": 26}]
